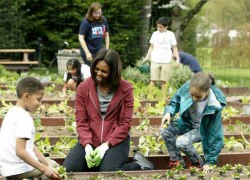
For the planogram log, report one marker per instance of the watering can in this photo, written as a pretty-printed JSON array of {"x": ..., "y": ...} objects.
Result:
[{"x": 145, "y": 67}]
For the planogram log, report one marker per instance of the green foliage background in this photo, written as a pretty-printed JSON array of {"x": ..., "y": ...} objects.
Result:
[{"x": 59, "y": 21}]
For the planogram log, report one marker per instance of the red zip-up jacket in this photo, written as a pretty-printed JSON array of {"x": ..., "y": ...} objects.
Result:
[{"x": 114, "y": 128}]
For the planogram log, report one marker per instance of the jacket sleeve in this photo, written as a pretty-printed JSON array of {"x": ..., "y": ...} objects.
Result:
[
  {"x": 174, "y": 105},
  {"x": 83, "y": 129},
  {"x": 215, "y": 139},
  {"x": 124, "y": 123}
]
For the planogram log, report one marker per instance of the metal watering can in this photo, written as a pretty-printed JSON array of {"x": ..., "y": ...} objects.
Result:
[{"x": 145, "y": 67}]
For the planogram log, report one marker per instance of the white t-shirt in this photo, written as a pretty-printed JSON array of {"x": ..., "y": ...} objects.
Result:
[
  {"x": 16, "y": 124},
  {"x": 162, "y": 41},
  {"x": 85, "y": 72}
]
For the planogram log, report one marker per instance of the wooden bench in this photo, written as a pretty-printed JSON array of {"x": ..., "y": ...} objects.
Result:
[
  {"x": 25, "y": 64},
  {"x": 24, "y": 51},
  {"x": 18, "y": 65}
]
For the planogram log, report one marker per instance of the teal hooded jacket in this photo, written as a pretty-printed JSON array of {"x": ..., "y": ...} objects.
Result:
[{"x": 211, "y": 130}]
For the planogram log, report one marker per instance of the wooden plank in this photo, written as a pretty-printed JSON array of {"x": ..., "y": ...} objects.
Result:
[
  {"x": 17, "y": 50},
  {"x": 18, "y": 62}
]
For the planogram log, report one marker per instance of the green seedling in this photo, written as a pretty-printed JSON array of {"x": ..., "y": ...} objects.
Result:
[
  {"x": 236, "y": 176},
  {"x": 62, "y": 172},
  {"x": 170, "y": 174},
  {"x": 193, "y": 171},
  {"x": 222, "y": 171},
  {"x": 201, "y": 175}
]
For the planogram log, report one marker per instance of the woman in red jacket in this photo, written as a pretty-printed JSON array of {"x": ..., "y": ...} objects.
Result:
[{"x": 104, "y": 109}]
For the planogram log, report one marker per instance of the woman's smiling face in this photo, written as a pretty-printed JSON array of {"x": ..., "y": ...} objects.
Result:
[{"x": 102, "y": 72}]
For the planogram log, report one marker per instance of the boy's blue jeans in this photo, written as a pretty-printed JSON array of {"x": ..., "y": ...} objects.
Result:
[{"x": 178, "y": 140}]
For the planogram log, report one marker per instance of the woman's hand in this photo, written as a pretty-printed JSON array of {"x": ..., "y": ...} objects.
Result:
[
  {"x": 165, "y": 118},
  {"x": 89, "y": 56},
  {"x": 207, "y": 168}
]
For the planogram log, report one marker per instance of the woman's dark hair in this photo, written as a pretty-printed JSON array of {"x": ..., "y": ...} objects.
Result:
[
  {"x": 28, "y": 85},
  {"x": 202, "y": 81},
  {"x": 75, "y": 64},
  {"x": 163, "y": 21},
  {"x": 93, "y": 8},
  {"x": 112, "y": 58}
]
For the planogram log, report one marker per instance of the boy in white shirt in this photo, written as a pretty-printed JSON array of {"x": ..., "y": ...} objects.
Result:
[
  {"x": 161, "y": 43},
  {"x": 19, "y": 157}
]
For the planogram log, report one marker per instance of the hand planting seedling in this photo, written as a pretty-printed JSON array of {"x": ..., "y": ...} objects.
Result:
[{"x": 62, "y": 172}]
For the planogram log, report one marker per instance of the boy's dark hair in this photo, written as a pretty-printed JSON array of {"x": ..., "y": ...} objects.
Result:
[
  {"x": 29, "y": 85},
  {"x": 163, "y": 21},
  {"x": 75, "y": 64},
  {"x": 92, "y": 8},
  {"x": 112, "y": 58},
  {"x": 202, "y": 81}
]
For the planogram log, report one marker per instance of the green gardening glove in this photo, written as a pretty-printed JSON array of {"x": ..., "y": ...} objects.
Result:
[
  {"x": 99, "y": 152},
  {"x": 89, "y": 156}
]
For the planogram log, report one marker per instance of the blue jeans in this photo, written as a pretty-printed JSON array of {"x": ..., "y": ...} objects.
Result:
[{"x": 177, "y": 140}]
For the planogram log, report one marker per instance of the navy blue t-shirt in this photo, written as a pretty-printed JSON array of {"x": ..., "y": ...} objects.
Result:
[
  {"x": 94, "y": 33},
  {"x": 188, "y": 59}
]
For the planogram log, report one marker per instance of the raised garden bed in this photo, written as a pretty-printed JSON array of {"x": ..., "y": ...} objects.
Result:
[
  {"x": 235, "y": 91},
  {"x": 161, "y": 162}
]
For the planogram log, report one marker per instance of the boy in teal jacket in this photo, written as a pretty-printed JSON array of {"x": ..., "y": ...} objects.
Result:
[{"x": 199, "y": 104}]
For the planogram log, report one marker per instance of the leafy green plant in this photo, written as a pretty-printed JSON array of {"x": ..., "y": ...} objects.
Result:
[
  {"x": 236, "y": 176},
  {"x": 144, "y": 124},
  {"x": 62, "y": 172},
  {"x": 193, "y": 171},
  {"x": 156, "y": 176},
  {"x": 233, "y": 144},
  {"x": 170, "y": 174},
  {"x": 179, "y": 75},
  {"x": 201, "y": 175},
  {"x": 239, "y": 168},
  {"x": 149, "y": 144},
  {"x": 182, "y": 177},
  {"x": 222, "y": 171},
  {"x": 245, "y": 100},
  {"x": 229, "y": 112},
  {"x": 44, "y": 146}
]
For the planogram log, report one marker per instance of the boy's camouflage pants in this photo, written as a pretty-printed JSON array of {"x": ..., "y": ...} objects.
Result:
[{"x": 178, "y": 140}]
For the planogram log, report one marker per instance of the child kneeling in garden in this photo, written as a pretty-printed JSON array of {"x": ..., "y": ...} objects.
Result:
[
  {"x": 19, "y": 157},
  {"x": 199, "y": 104}
]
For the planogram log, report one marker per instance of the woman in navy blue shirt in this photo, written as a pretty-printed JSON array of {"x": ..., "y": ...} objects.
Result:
[{"x": 92, "y": 33}]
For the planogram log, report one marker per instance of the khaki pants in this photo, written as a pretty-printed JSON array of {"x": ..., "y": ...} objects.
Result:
[{"x": 35, "y": 173}]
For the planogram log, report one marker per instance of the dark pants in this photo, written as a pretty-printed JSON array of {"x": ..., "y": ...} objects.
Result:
[
  {"x": 115, "y": 159},
  {"x": 87, "y": 62}
]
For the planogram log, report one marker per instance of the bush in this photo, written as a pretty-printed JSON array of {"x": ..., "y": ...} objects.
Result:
[{"x": 179, "y": 75}]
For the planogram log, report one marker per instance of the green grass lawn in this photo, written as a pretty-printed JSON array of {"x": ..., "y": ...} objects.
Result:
[{"x": 236, "y": 76}]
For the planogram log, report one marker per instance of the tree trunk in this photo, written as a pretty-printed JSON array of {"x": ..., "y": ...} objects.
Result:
[
  {"x": 179, "y": 24},
  {"x": 145, "y": 34}
]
